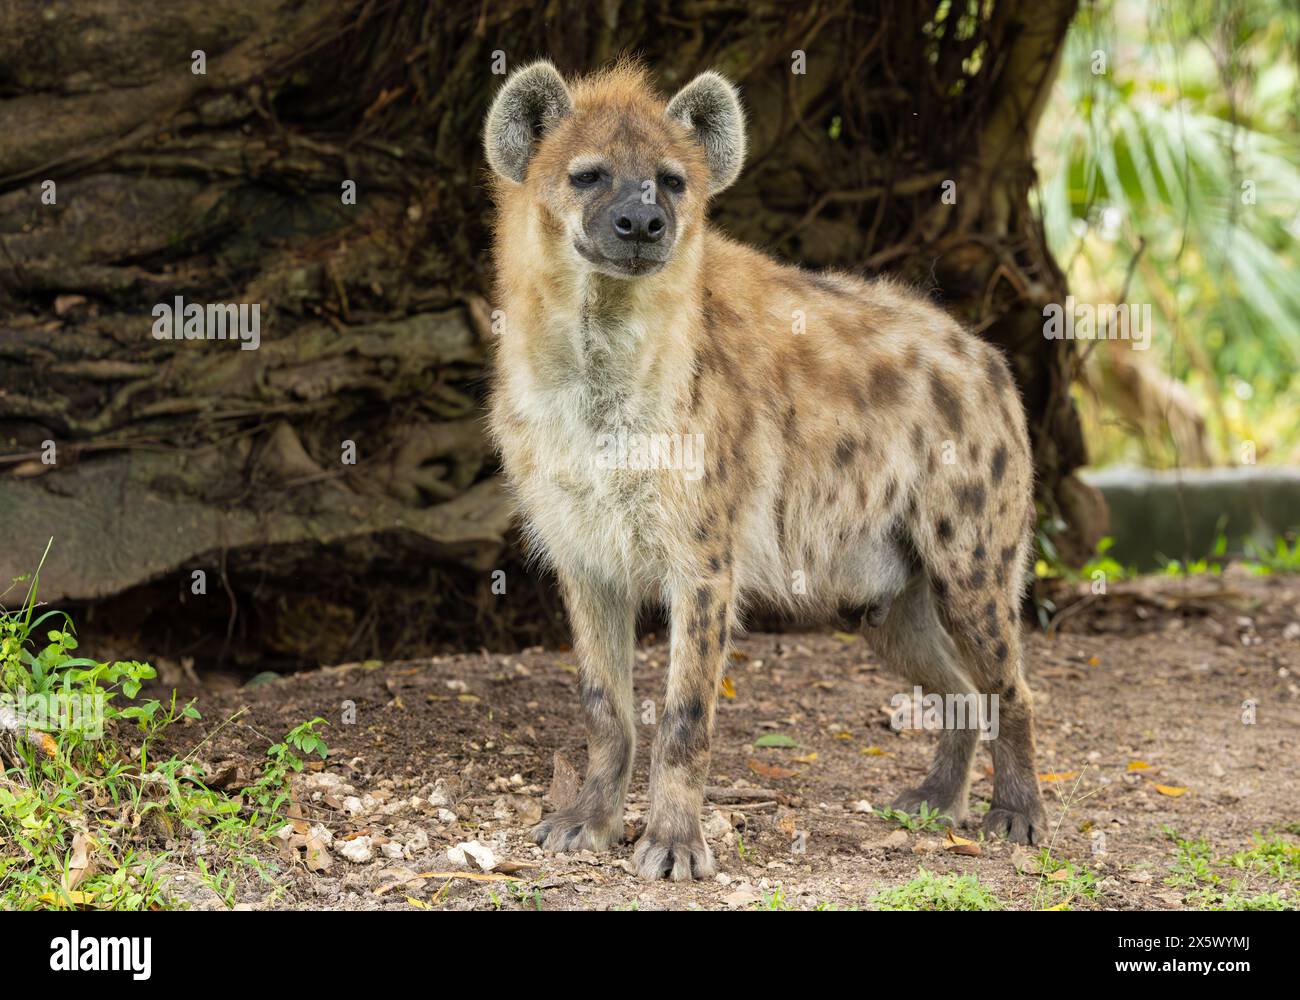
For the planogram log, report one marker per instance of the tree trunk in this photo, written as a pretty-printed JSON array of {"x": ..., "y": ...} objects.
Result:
[{"x": 165, "y": 468}]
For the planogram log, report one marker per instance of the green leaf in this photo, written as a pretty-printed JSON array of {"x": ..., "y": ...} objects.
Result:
[{"x": 775, "y": 740}]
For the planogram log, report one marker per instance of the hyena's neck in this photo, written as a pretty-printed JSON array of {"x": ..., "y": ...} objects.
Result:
[{"x": 619, "y": 350}]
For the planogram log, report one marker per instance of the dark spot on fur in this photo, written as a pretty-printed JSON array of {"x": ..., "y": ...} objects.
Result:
[
  {"x": 999, "y": 465},
  {"x": 827, "y": 283},
  {"x": 996, "y": 368},
  {"x": 977, "y": 579},
  {"x": 979, "y": 551},
  {"x": 944, "y": 527},
  {"x": 1001, "y": 650},
  {"x": 790, "y": 423},
  {"x": 891, "y": 491},
  {"x": 940, "y": 588},
  {"x": 970, "y": 497},
  {"x": 703, "y": 602},
  {"x": 844, "y": 451},
  {"x": 885, "y": 384},
  {"x": 1007, "y": 555},
  {"x": 945, "y": 400},
  {"x": 685, "y": 735},
  {"x": 697, "y": 383}
]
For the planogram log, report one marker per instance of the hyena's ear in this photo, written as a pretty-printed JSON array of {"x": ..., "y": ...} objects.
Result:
[
  {"x": 531, "y": 102},
  {"x": 710, "y": 107}
]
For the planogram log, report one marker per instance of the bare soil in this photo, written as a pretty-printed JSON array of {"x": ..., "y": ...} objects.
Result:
[{"x": 1167, "y": 704}]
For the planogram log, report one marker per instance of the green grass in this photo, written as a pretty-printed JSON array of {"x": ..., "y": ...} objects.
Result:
[
  {"x": 90, "y": 816},
  {"x": 929, "y": 891},
  {"x": 1233, "y": 882},
  {"x": 1062, "y": 881}
]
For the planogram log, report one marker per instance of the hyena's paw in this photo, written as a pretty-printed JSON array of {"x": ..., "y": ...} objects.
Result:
[
  {"x": 577, "y": 830},
  {"x": 678, "y": 858},
  {"x": 950, "y": 806},
  {"x": 1020, "y": 824}
]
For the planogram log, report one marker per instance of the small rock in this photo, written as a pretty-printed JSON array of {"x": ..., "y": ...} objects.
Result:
[
  {"x": 358, "y": 850},
  {"x": 895, "y": 841},
  {"x": 717, "y": 826},
  {"x": 745, "y": 895},
  {"x": 860, "y": 806},
  {"x": 417, "y": 842},
  {"x": 392, "y": 850},
  {"x": 471, "y": 851}
]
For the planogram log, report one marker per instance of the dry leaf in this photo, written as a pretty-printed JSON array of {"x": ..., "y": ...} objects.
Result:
[
  {"x": 770, "y": 770},
  {"x": 1058, "y": 776},
  {"x": 807, "y": 758},
  {"x": 960, "y": 845},
  {"x": 728, "y": 687},
  {"x": 876, "y": 752},
  {"x": 472, "y": 876},
  {"x": 82, "y": 863},
  {"x": 1171, "y": 790},
  {"x": 1138, "y": 765}
]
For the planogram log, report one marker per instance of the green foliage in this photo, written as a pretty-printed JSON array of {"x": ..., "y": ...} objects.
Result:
[
  {"x": 929, "y": 891},
  {"x": 1172, "y": 177},
  {"x": 87, "y": 823},
  {"x": 923, "y": 819}
]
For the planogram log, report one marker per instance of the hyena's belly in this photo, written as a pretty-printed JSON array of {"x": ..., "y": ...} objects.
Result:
[{"x": 814, "y": 565}]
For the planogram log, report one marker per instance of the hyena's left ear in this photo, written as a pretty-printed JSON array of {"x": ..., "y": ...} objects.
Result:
[
  {"x": 710, "y": 107},
  {"x": 530, "y": 103}
]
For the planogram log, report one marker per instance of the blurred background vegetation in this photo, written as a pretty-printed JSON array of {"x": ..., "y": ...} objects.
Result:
[{"x": 1169, "y": 165}]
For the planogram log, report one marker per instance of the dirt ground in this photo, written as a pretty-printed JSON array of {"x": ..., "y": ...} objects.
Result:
[{"x": 1144, "y": 700}]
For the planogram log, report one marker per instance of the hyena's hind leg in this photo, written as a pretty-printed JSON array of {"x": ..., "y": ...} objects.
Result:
[
  {"x": 913, "y": 643},
  {"x": 602, "y": 617},
  {"x": 981, "y": 611}
]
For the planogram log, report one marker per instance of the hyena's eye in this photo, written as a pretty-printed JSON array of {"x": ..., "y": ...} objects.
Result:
[
  {"x": 672, "y": 182},
  {"x": 585, "y": 178}
]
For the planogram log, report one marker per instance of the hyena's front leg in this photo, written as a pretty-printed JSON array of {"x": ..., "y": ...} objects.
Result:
[
  {"x": 673, "y": 844},
  {"x": 602, "y": 618}
]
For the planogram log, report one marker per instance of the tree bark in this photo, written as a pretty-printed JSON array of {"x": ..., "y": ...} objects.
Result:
[{"x": 149, "y": 461}]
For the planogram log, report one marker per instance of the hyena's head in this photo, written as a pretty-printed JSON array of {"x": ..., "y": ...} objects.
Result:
[{"x": 617, "y": 179}]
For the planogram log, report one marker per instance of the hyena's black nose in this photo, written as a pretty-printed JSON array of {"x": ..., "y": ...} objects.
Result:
[{"x": 638, "y": 222}]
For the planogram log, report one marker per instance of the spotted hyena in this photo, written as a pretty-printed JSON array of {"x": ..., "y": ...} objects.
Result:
[{"x": 811, "y": 440}]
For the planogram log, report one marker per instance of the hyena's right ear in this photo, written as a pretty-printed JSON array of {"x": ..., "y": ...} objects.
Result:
[{"x": 532, "y": 101}]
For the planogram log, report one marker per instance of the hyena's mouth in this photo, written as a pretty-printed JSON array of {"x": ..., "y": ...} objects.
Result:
[{"x": 632, "y": 265}]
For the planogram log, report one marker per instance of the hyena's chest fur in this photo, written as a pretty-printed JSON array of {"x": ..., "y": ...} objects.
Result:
[{"x": 594, "y": 485}]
